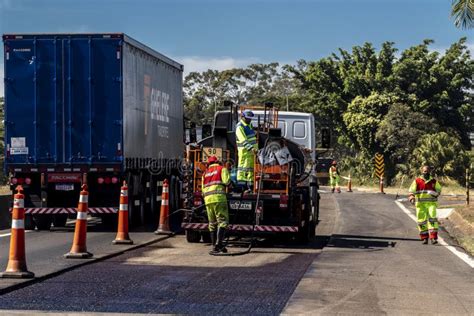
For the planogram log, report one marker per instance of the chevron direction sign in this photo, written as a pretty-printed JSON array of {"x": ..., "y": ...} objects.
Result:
[{"x": 379, "y": 165}]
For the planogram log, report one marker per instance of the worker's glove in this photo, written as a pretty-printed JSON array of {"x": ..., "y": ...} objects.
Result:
[{"x": 411, "y": 199}]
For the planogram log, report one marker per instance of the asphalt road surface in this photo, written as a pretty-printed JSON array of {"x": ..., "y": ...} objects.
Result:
[{"x": 373, "y": 264}]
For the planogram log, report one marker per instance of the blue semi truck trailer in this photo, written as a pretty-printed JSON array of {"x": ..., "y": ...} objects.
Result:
[{"x": 91, "y": 109}]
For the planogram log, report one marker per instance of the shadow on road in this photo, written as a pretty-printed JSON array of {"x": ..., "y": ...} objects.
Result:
[{"x": 363, "y": 242}]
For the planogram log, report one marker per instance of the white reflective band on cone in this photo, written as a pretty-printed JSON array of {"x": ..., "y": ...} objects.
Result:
[
  {"x": 81, "y": 215},
  {"x": 123, "y": 207},
  {"x": 19, "y": 203},
  {"x": 18, "y": 224},
  {"x": 164, "y": 202},
  {"x": 83, "y": 198},
  {"x": 165, "y": 190},
  {"x": 124, "y": 193}
]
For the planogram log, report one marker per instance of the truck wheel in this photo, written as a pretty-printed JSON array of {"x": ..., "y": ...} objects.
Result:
[
  {"x": 154, "y": 205},
  {"x": 193, "y": 236},
  {"x": 29, "y": 222},
  {"x": 110, "y": 221},
  {"x": 43, "y": 222},
  {"x": 303, "y": 232},
  {"x": 59, "y": 220},
  {"x": 206, "y": 237}
]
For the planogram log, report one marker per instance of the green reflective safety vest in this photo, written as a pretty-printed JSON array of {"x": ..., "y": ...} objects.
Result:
[
  {"x": 214, "y": 181},
  {"x": 245, "y": 136}
]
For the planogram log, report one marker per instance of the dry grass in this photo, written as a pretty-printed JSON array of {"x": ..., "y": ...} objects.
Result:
[{"x": 467, "y": 212}]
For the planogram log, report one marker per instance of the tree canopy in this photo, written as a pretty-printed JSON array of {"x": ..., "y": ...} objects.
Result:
[{"x": 374, "y": 101}]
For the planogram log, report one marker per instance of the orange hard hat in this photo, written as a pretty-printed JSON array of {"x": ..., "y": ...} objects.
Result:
[{"x": 212, "y": 159}]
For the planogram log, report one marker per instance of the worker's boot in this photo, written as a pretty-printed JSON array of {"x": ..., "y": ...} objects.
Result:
[
  {"x": 220, "y": 240},
  {"x": 425, "y": 241},
  {"x": 214, "y": 248},
  {"x": 213, "y": 235},
  {"x": 434, "y": 241},
  {"x": 332, "y": 190}
]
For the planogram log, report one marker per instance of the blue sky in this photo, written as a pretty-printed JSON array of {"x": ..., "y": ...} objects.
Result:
[{"x": 223, "y": 34}]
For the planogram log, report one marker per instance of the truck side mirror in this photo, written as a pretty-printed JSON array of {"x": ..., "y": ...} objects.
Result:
[{"x": 325, "y": 138}]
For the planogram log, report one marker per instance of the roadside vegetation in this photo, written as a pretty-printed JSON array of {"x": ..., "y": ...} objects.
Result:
[{"x": 414, "y": 106}]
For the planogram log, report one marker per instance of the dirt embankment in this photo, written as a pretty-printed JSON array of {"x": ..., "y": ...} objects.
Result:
[{"x": 460, "y": 225}]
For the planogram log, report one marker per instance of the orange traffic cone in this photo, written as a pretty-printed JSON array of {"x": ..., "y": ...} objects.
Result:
[
  {"x": 349, "y": 184},
  {"x": 79, "y": 248},
  {"x": 122, "y": 237},
  {"x": 164, "y": 227},
  {"x": 16, "y": 267}
]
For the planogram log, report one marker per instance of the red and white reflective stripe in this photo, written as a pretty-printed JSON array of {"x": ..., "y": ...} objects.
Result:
[
  {"x": 19, "y": 203},
  {"x": 123, "y": 207},
  {"x": 164, "y": 202},
  {"x": 124, "y": 193},
  {"x": 165, "y": 190},
  {"x": 84, "y": 198},
  {"x": 82, "y": 215},
  {"x": 194, "y": 225},
  {"x": 102, "y": 210},
  {"x": 18, "y": 224},
  {"x": 246, "y": 228},
  {"x": 68, "y": 210}
]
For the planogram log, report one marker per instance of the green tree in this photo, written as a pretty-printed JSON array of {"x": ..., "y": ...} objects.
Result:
[
  {"x": 463, "y": 13},
  {"x": 400, "y": 131},
  {"x": 442, "y": 151},
  {"x": 364, "y": 116},
  {"x": 437, "y": 86}
]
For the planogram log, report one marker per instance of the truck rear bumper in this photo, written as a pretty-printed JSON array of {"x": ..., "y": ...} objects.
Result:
[
  {"x": 68, "y": 210},
  {"x": 245, "y": 228}
]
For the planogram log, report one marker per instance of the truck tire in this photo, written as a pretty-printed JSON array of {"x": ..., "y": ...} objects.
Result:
[
  {"x": 304, "y": 231},
  {"x": 29, "y": 222},
  {"x": 193, "y": 236},
  {"x": 43, "y": 222},
  {"x": 206, "y": 237},
  {"x": 59, "y": 220},
  {"x": 154, "y": 205}
]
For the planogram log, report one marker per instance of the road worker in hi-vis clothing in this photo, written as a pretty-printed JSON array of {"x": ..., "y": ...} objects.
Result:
[
  {"x": 214, "y": 182},
  {"x": 247, "y": 147},
  {"x": 424, "y": 192},
  {"x": 334, "y": 177}
]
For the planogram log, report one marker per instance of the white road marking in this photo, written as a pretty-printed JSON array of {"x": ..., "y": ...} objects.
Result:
[
  {"x": 9, "y": 234},
  {"x": 461, "y": 255}
]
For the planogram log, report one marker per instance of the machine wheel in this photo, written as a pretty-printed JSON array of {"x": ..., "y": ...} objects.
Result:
[
  {"x": 43, "y": 222},
  {"x": 193, "y": 236},
  {"x": 60, "y": 220}
]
